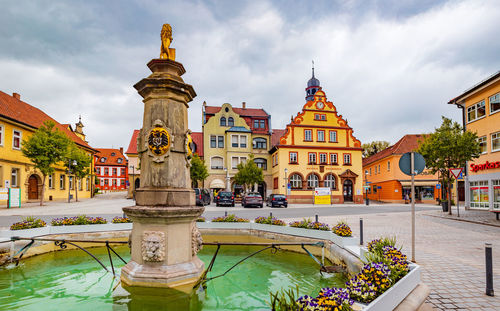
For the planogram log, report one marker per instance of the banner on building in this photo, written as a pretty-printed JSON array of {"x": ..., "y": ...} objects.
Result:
[
  {"x": 14, "y": 197},
  {"x": 322, "y": 195}
]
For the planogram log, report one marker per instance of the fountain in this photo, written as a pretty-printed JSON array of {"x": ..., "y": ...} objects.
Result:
[{"x": 164, "y": 238}]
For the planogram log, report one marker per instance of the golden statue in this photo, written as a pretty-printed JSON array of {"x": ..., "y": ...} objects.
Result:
[{"x": 166, "y": 38}]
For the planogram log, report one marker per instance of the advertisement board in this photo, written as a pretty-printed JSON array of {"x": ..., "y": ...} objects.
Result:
[
  {"x": 322, "y": 195},
  {"x": 14, "y": 197}
]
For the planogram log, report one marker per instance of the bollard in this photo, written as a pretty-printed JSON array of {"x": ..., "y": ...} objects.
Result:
[
  {"x": 489, "y": 270},
  {"x": 225, "y": 213},
  {"x": 361, "y": 231},
  {"x": 270, "y": 214}
]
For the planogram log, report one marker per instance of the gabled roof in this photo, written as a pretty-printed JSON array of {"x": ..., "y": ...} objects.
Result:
[
  {"x": 110, "y": 159},
  {"x": 407, "y": 143},
  {"x": 16, "y": 110},
  {"x": 238, "y": 129},
  {"x": 132, "y": 146},
  {"x": 275, "y": 137},
  {"x": 198, "y": 141},
  {"x": 244, "y": 112}
]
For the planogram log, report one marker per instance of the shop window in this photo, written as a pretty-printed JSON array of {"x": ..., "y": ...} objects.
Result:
[
  {"x": 16, "y": 140},
  {"x": 495, "y": 141},
  {"x": 333, "y": 136},
  {"x": 312, "y": 181},
  {"x": 230, "y": 121},
  {"x": 482, "y": 144},
  {"x": 296, "y": 181},
  {"x": 479, "y": 194},
  {"x": 494, "y": 103},
  {"x": 307, "y": 135},
  {"x": 293, "y": 157},
  {"x": 476, "y": 111},
  {"x": 427, "y": 193},
  {"x": 496, "y": 194}
]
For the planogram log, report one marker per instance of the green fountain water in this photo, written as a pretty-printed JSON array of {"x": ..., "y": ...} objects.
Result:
[{"x": 71, "y": 280}]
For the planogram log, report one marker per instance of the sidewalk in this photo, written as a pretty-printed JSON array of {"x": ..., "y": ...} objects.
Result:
[{"x": 473, "y": 216}]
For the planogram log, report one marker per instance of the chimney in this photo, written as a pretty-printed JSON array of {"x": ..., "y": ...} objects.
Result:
[
  {"x": 16, "y": 96},
  {"x": 244, "y": 105},
  {"x": 204, "y": 104},
  {"x": 121, "y": 150}
]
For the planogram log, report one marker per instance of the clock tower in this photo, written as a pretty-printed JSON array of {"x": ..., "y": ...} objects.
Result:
[{"x": 312, "y": 86}]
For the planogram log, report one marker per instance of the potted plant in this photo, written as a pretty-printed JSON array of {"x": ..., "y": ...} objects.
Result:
[{"x": 444, "y": 204}]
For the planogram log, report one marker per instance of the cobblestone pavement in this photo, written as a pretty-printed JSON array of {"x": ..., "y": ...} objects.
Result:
[
  {"x": 474, "y": 216},
  {"x": 450, "y": 252}
]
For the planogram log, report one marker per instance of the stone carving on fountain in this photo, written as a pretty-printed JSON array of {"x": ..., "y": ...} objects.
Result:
[
  {"x": 196, "y": 241},
  {"x": 153, "y": 246}
]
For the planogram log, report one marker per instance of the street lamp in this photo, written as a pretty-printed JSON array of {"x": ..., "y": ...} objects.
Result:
[
  {"x": 74, "y": 163},
  {"x": 367, "y": 200},
  {"x": 227, "y": 178},
  {"x": 286, "y": 181}
]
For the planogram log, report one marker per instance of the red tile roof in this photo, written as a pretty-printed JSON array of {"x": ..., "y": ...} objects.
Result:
[
  {"x": 198, "y": 140},
  {"x": 275, "y": 137},
  {"x": 132, "y": 146},
  {"x": 249, "y": 112},
  {"x": 407, "y": 143},
  {"x": 15, "y": 109},
  {"x": 110, "y": 159}
]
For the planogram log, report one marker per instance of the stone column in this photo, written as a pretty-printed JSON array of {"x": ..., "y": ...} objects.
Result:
[{"x": 164, "y": 239}]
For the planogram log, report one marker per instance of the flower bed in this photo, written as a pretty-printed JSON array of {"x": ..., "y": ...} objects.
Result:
[
  {"x": 309, "y": 224},
  {"x": 121, "y": 220},
  {"x": 269, "y": 221},
  {"x": 229, "y": 218},
  {"x": 201, "y": 219},
  {"x": 77, "y": 220},
  {"x": 342, "y": 229},
  {"x": 28, "y": 223}
]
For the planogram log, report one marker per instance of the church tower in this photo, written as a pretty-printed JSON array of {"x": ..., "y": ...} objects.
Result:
[
  {"x": 312, "y": 86},
  {"x": 79, "y": 129}
]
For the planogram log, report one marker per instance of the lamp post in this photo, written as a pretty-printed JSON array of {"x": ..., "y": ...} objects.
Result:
[
  {"x": 367, "y": 200},
  {"x": 227, "y": 178},
  {"x": 286, "y": 182},
  {"x": 74, "y": 163}
]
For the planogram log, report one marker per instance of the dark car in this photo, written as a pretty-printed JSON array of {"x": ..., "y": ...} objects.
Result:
[
  {"x": 252, "y": 199},
  {"x": 277, "y": 200},
  {"x": 225, "y": 198},
  {"x": 202, "y": 196}
]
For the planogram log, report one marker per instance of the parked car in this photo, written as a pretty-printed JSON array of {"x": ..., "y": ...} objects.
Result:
[
  {"x": 277, "y": 200},
  {"x": 202, "y": 196},
  {"x": 252, "y": 199},
  {"x": 225, "y": 198}
]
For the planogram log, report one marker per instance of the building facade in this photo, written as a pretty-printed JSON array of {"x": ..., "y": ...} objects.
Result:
[
  {"x": 18, "y": 121},
  {"x": 134, "y": 169},
  {"x": 230, "y": 135},
  {"x": 387, "y": 183},
  {"x": 111, "y": 169},
  {"x": 481, "y": 114},
  {"x": 317, "y": 149}
]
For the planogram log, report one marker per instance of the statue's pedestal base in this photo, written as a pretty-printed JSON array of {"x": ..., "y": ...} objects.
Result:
[{"x": 164, "y": 243}]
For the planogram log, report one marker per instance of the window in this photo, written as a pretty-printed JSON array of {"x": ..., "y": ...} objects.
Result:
[
  {"x": 51, "y": 181},
  {"x": 496, "y": 194},
  {"x": 312, "y": 181},
  {"x": 122, "y": 182},
  {"x": 102, "y": 182},
  {"x": 243, "y": 159},
  {"x": 293, "y": 157},
  {"x": 275, "y": 183},
  {"x": 122, "y": 171},
  {"x": 370, "y": 171},
  {"x": 62, "y": 182},
  {"x": 259, "y": 143},
  {"x": 80, "y": 185},
  {"x": 256, "y": 124},
  {"x": 14, "y": 177},
  {"x": 494, "y": 103},
  {"x": 262, "y": 124},
  {"x": 495, "y": 141},
  {"x": 106, "y": 182},
  {"x": 223, "y": 121},
  {"x": 330, "y": 181},
  {"x": 113, "y": 154},
  {"x": 16, "y": 139},
  {"x": 230, "y": 121},
  {"x": 388, "y": 166},
  {"x": 234, "y": 162},
  {"x": 234, "y": 141},
  {"x": 114, "y": 182},
  {"x": 106, "y": 171},
  {"x": 87, "y": 184},
  {"x": 220, "y": 141},
  {"x": 476, "y": 111},
  {"x": 98, "y": 170},
  {"x": 114, "y": 171},
  {"x": 322, "y": 158},
  {"x": 321, "y": 135},
  {"x": 347, "y": 158},
  {"x": 243, "y": 141},
  {"x": 103, "y": 160},
  {"x": 319, "y": 117},
  {"x": 1, "y": 135},
  {"x": 312, "y": 158},
  {"x": 217, "y": 163},
  {"x": 333, "y": 136},
  {"x": 482, "y": 144},
  {"x": 333, "y": 158},
  {"x": 374, "y": 188},
  {"x": 308, "y": 135},
  {"x": 296, "y": 181},
  {"x": 71, "y": 186},
  {"x": 213, "y": 141},
  {"x": 262, "y": 163},
  {"x": 479, "y": 194},
  {"x": 119, "y": 160}
]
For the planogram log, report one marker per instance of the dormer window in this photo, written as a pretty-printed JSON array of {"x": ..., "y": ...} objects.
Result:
[
  {"x": 103, "y": 160},
  {"x": 119, "y": 160},
  {"x": 113, "y": 154}
]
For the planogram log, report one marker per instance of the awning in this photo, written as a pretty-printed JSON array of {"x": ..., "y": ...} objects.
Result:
[
  {"x": 217, "y": 183},
  {"x": 427, "y": 183}
]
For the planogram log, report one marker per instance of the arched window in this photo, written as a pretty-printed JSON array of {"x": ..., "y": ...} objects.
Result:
[
  {"x": 312, "y": 181},
  {"x": 260, "y": 162},
  {"x": 330, "y": 181},
  {"x": 230, "y": 121},
  {"x": 259, "y": 143},
  {"x": 296, "y": 181},
  {"x": 217, "y": 163},
  {"x": 223, "y": 121}
]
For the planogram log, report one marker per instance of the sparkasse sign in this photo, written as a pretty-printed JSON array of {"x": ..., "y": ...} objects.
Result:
[{"x": 485, "y": 166}]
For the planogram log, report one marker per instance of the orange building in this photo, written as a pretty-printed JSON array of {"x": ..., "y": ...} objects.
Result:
[
  {"x": 387, "y": 183},
  {"x": 111, "y": 169}
]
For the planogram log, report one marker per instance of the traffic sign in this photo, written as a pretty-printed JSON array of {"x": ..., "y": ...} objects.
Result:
[
  {"x": 418, "y": 163},
  {"x": 438, "y": 186},
  {"x": 456, "y": 171}
]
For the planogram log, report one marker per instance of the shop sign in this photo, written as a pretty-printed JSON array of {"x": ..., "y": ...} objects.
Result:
[
  {"x": 322, "y": 195},
  {"x": 485, "y": 166}
]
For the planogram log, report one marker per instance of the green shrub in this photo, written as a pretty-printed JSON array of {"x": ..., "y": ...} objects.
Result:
[{"x": 29, "y": 222}]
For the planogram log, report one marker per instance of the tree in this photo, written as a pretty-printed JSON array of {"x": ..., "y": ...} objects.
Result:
[
  {"x": 82, "y": 167},
  {"x": 248, "y": 173},
  {"x": 448, "y": 147},
  {"x": 44, "y": 148},
  {"x": 372, "y": 148},
  {"x": 198, "y": 170}
]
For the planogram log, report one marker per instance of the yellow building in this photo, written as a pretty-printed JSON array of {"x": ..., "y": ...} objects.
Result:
[
  {"x": 18, "y": 121},
  {"x": 317, "y": 149},
  {"x": 230, "y": 134},
  {"x": 481, "y": 114}
]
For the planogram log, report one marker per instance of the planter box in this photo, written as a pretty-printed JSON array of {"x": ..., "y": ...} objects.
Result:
[
  {"x": 26, "y": 233},
  {"x": 35, "y": 232}
]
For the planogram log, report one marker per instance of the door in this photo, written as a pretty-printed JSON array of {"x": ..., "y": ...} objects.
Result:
[
  {"x": 347, "y": 190},
  {"x": 32, "y": 188},
  {"x": 262, "y": 190}
]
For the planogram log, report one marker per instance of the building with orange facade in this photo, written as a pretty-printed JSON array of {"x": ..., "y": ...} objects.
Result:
[
  {"x": 387, "y": 183},
  {"x": 317, "y": 149},
  {"x": 111, "y": 169},
  {"x": 481, "y": 114}
]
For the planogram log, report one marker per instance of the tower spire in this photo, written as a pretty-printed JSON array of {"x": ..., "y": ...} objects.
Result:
[{"x": 313, "y": 67}]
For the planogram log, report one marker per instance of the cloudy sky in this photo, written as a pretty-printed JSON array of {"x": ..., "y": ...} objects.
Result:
[{"x": 390, "y": 67}]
